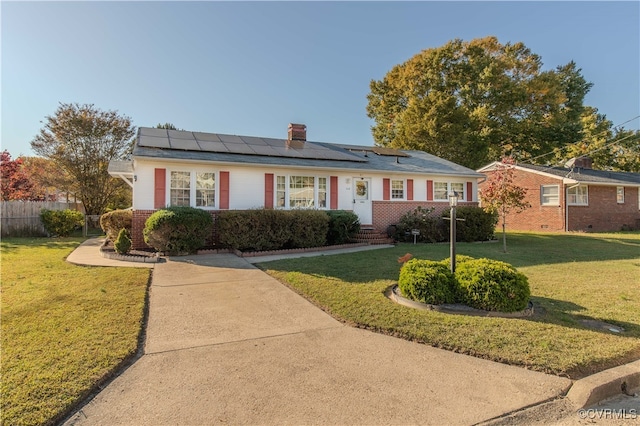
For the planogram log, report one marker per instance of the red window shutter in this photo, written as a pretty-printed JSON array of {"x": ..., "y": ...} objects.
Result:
[
  {"x": 224, "y": 190},
  {"x": 386, "y": 189},
  {"x": 333, "y": 195},
  {"x": 410, "y": 189},
  {"x": 469, "y": 191},
  {"x": 160, "y": 185},
  {"x": 268, "y": 190},
  {"x": 429, "y": 190}
]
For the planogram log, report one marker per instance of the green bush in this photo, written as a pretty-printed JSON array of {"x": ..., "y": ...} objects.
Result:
[
  {"x": 343, "y": 226},
  {"x": 178, "y": 230},
  {"x": 492, "y": 285},
  {"x": 430, "y": 227},
  {"x": 268, "y": 229},
  {"x": 460, "y": 258},
  {"x": 427, "y": 281},
  {"x": 478, "y": 225},
  {"x": 61, "y": 222},
  {"x": 122, "y": 244},
  {"x": 308, "y": 228},
  {"x": 112, "y": 222}
]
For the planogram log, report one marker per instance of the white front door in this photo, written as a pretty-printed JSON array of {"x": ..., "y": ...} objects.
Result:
[{"x": 362, "y": 200}]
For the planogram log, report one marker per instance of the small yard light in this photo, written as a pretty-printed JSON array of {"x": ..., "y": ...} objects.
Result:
[{"x": 453, "y": 203}]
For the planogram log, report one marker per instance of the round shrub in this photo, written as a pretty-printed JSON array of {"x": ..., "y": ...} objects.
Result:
[
  {"x": 427, "y": 281},
  {"x": 460, "y": 258},
  {"x": 178, "y": 230},
  {"x": 113, "y": 221},
  {"x": 492, "y": 285},
  {"x": 61, "y": 222},
  {"x": 122, "y": 244}
]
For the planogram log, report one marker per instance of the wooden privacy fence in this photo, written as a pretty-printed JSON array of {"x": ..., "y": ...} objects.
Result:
[{"x": 22, "y": 218}]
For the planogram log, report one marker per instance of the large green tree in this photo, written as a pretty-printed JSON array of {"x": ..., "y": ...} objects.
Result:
[
  {"x": 610, "y": 149},
  {"x": 474, "y": 102},
  {"x": 81, "y": 140}
]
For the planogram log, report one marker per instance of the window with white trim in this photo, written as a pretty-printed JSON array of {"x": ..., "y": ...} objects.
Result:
[
  {"x": 549, "y": 195},
  {"x": 180, "y": 192},
  {"x": 441, "y": 190},
  {"x": 397, "y": 189},
  {"x": 205, "y": 189},
  {"x": 301, "y": 192},
  {"x": 192, "y": 189},
  {"x": 620, "y": 194},
  {"x": 578, "y": 196}
]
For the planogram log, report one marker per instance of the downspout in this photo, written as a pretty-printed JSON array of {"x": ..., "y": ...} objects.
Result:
[{"x": 566, "y": 205}]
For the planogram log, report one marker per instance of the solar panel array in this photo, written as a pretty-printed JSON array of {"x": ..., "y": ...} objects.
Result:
[{"x": 248, "y": 145}]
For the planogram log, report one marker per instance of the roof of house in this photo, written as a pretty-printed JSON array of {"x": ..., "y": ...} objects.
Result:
[
  {"x": 215, "y": 147},
  {"x": 582, "y": 175}
]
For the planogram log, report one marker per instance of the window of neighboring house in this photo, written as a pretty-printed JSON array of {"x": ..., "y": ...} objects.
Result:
[
  {"x": 441, "y": 190},
  {"x": 397, "y": 189},
  {"x": 192, "y": 189},
  {"x": 301, "y": 192},
  {"x": 578, "y": 196},
  {"x": 180, "y": 192},
  {"x": 549, "y": 195},
  {"x": 620, "y": 194}
]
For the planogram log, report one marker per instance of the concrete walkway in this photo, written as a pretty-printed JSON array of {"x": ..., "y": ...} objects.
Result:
[{"x": 228, "y": 344}]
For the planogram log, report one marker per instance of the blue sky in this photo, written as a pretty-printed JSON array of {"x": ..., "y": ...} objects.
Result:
[{"x": 250, "y": 68}]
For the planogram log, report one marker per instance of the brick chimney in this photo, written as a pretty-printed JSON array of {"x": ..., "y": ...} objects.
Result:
[
  {"x": 583, "y": 162},
  {"x": 297, "y": 132}
]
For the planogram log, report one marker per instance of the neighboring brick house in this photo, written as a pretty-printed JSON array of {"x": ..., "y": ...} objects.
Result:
[
  {"x": 222, "y": 172},
  {"x": 575, "y": 198}
]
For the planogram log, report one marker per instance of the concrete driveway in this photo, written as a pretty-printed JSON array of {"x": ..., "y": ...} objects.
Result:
[{"x": 228, "y": 344}]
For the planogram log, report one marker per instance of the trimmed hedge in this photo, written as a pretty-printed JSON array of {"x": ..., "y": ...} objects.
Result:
[
  {"x": 178, "y": 230},
  {"x": 427, "y": 281},
  {"x": 478, "y": 225},
  {"x": 343, "y": 226},
  {"x": 267, "y": 229},
  {"x": 61, "y": 222},
  {"x": 492, "y": 285},
  {"x": 112, "y": 222}
]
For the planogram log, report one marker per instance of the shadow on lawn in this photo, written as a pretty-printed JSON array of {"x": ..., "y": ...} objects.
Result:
[{"x": 567, "y": 314}]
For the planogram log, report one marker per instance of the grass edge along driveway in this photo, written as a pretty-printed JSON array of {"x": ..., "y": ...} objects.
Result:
[
  {"x": 65, "y": 328},
  {"x": 573, "y": 277}
]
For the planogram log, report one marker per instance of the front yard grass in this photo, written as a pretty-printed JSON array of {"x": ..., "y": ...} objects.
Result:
[
  {"x": 573, "y": 277},
  {"x": 64, "y": 327}
]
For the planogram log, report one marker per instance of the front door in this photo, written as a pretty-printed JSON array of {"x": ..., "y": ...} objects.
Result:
[{"x": 362, "y": 200}]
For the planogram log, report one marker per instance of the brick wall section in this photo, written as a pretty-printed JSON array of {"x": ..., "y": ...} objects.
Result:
[
  {"x": 141, "y": 216},
  {"x": 602, "y": 213},
  {"x": 537, "y": 217},
  {"x": 597, "y": 218},
  {"x": 387, "y": 213}
]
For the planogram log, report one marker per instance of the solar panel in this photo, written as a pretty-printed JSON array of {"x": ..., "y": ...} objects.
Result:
[{"x": 244, "y": 145}]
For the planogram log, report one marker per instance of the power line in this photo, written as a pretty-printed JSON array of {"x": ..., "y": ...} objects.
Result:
[{"x": 584, "y": 140}]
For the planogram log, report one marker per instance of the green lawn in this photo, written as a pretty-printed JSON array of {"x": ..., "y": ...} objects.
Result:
[
  {"x": 64, "y": 327},
  {"x": 573, "y": 277}
]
